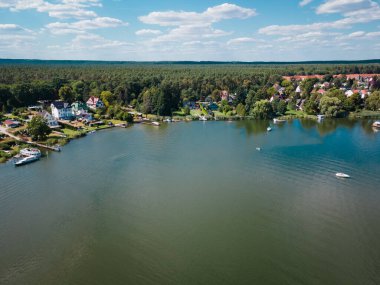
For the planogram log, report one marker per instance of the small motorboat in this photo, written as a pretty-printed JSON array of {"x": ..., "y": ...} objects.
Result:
[
  {"x": 202, "y": 118},
  {"x": 258, "y": 148},
  {"x": 342, "y": 175},
  {"x": 155, "y": 124},
  {"x": 168, "y": 120},
  {"x": 278, "y": 121},
  {"x": 30, "y": 152},
  {"x": 269, "y": 129}
]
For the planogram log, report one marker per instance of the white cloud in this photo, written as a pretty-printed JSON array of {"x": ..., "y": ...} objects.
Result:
[
  {"x": 343, "y": 6},
  {"x": 305, "y": 2},
  {"x": 145, "y": 32},
  {"x": 211, "y": 15},
  {"x": 242, "y": 40},
  {"x": 84, "y": 25},
  {"x": 63, "y": 9},
  {"x": 191, "y": 33}
]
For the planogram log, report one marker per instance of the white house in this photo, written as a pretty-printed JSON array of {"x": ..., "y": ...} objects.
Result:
[
  {"x": 50, "y": 120},
  {"x": 61, "y": 110},
  {"x": 94, "y": 103}
]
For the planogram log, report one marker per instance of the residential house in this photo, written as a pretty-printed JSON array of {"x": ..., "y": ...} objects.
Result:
[
  {"x": 94, "y": 103},
  {"x": 213, "y": 107},
  {"x": 80, "y": 111},
  {"x": 224, "y": 95},
  {"x": 50, "y": 120},
  {"x": 61, "y": 110},
  {"x": 298, "y": 89},
  {"x": 11, "y": 123},
  {"x": 321, "y": 91}
]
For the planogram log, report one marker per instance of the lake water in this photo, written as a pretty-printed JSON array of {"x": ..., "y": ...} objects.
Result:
[{"x": 196, "y": 203}]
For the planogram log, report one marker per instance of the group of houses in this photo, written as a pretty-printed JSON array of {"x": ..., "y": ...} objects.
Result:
[
  {"x": 209, "y": 103},
  {"x": 62, "y": 111},
  {"x": 78, "y": 110}
]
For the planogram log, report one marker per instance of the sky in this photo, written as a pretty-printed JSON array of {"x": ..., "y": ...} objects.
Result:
[{"x": 196, "y": 30}]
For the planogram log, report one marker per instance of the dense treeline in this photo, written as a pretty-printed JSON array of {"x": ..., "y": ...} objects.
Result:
[{"x": 154, "y": 88}]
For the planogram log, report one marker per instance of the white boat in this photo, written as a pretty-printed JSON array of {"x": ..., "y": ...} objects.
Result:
[
  {"x": 342, "y": 175},
  {"x": 320, "y": 117},
  {"x": 30, "y": 152},
  {"x": 202, "y": 118},
  {"x": 155, "y": 123},
  {"x": 269, "y": 129},
  {"x": 258, "y": 148},
  {"x": 277, "y": 121},
  {"x": 168, "y": 120},
  {"x": 376, "y": 124},
  {"x": 25, "y": 160}
]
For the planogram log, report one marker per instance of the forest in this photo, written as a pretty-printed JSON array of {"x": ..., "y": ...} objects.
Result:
[{"x": 162, "y": 88}]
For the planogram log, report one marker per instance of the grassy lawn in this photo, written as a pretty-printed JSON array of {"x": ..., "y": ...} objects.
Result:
[
  {"x": 365, "y": 114},
  {"x": 196, "y": 113}
]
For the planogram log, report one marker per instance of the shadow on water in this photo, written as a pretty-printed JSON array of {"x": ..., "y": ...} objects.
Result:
[{"x": 254, "y": 127}]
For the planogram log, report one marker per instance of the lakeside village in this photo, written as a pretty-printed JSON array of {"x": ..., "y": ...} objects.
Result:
[{"x": 51, "y": 124}]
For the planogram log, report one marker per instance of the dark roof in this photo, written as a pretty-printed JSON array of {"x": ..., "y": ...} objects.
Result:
[{"x": 58, "y": 104}]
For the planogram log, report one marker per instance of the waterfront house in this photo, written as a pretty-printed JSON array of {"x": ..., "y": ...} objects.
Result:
[
  {"x": 80, "y": 111},
  {"x": 94, "y": 103},
  {"x": 224, "y": 95},
  {"x": 190, "y": 104},
  {"x": 213, "y": 107},
  {"x": 11, "y": 123},
  {"x": 50, "y": 120},
  {"x": 61, "y": 110}
]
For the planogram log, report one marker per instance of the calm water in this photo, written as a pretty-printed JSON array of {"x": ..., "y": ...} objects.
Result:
[{"x": 195, "y": 203}]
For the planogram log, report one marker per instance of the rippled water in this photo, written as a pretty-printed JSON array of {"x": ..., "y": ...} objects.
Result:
[{"x": 196, "y": 203}]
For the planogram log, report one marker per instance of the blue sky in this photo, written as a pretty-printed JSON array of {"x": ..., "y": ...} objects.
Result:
[{"x": 143, "y": 30}]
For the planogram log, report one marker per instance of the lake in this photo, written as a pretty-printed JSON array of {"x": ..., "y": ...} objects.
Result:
[{"x": 196, "y": 203}]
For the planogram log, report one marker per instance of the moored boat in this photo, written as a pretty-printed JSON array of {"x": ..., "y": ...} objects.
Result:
[
  {"x": 376, "y": 124},
  {"x": 342, "y": 175},
  {"x": 155, "y": 124},
  {"x": 278, "y": 121},
  {"x": 30, "y": 152},
  {"x": 269, "y": 129},
  {"x": 202, "y": 118},
  {"x": 25, "y": 160}
]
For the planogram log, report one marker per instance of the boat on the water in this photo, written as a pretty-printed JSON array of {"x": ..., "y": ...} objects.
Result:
[
  {"x": 376, "y": 124},
  {"x": 25, "y": 160},
  {"x": 342, "y": 175},
  {"x": 269, "y": 129},
  {"x": 258, "y": 148},
  {"x": 155, "y": 124},
  {"x": 278, "y": 121},
  {"x": 202, "y": 118},
  {"x": 168, "y": 120},
  {"x": 30, "y": 152}
]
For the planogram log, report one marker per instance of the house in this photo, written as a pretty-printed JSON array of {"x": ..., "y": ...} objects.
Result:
[
  {"x": 349, "y": 93},
  {"x": 50, "y": 120},
  {"x": 11, "y": 123},
  {"x": 80, "y": 111},
  {"x": 94, "y": 103},
  {"x": 224, "y": 95},
  {"x": 78, "y": 106},
  {"x": 298, "y": 89},
  {"x": 61, "y": 110},
  {"x": 321, "y": 91}
]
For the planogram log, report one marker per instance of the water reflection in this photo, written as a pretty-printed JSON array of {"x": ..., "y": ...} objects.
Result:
[
  {"x": 254, "y": 127},
  {"x": 324, "y": 127}
]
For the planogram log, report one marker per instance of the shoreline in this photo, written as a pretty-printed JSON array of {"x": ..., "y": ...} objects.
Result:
[{"x": 76, "y": 134}]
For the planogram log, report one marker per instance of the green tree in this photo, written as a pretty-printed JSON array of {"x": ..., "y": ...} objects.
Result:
[
  {"x": 38, "y": 128},
  {"x": 66, "y": 94},
  {"x": 240, "y": 110},
  {"x": 331, "y": 106},
  {"x": 262, "y": 110},
  {"x": 373, "y": 101}
]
